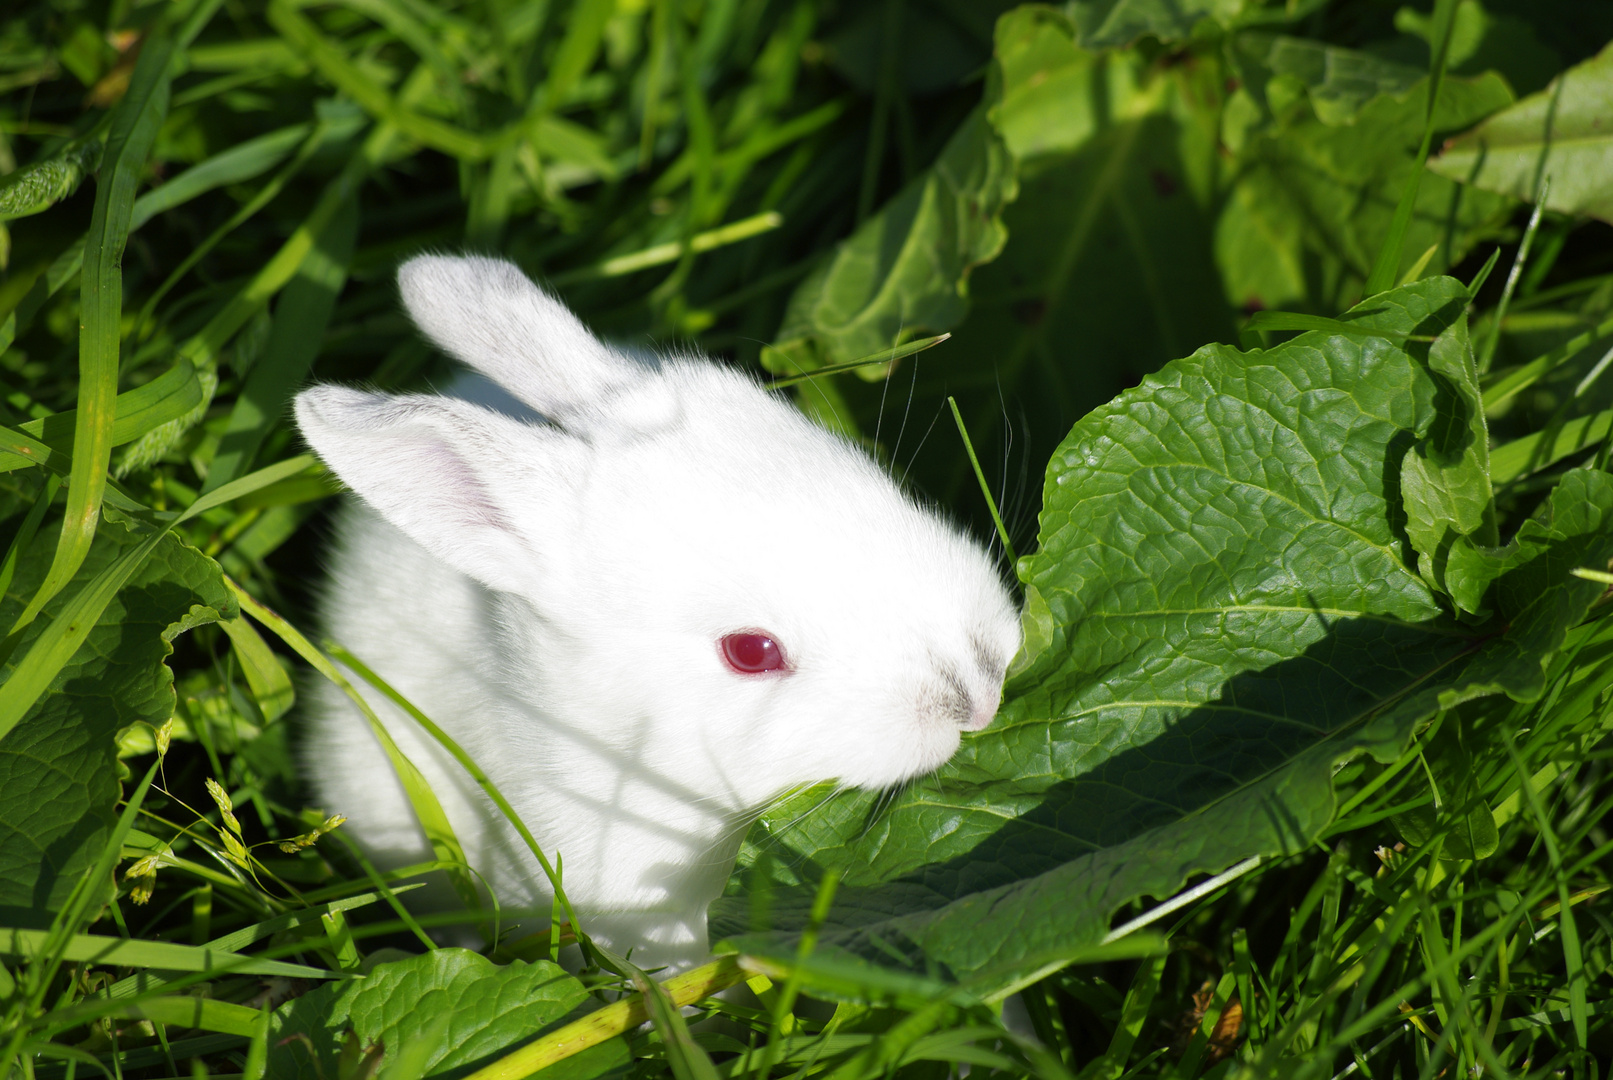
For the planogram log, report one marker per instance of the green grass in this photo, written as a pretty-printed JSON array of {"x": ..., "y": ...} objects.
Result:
[{"x": 196, "y": 227}]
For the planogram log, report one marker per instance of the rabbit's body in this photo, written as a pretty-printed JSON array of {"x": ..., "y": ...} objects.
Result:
[{"x": 565, "y": 598}]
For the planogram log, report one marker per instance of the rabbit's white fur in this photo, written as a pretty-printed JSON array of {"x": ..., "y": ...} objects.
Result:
[{"x": 552, "y": 591}]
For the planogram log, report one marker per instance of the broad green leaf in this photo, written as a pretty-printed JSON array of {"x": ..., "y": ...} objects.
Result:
[
  {"x": 1045, "y": 103},
  {"x": 54, "y": 647},
  {"x": 1222, "y": 609},
  {"x": 489, "y": 1009},
  {"x": 1565, "y": 132},
  {"x": 1108, "y": 271},
  {"x": 1445, "y": 479},
  {"x": 1311, "y": 203},
  {"x": 1120, "y": 22},
  {"x": 1337, "y": 81},
  {"x": 58, "y": 766},
  {"x": 906, "y": 269}
]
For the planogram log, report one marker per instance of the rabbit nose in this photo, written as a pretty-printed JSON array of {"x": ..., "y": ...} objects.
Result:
[{"x": 981, "y": 714}]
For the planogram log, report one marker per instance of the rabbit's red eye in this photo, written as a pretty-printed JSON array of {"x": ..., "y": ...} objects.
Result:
[{"x": 751, "y": 653}]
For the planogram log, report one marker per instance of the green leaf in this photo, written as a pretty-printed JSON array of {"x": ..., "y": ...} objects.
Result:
[
  {"x": 489, "y": 1009},
  {"x": 1445, "y": 479},
  {"x": 1338, "y": 81},
  {"x": 1045, "y": 104},
  {"x": 1222, "y": 609},
  {"x": 1312, "y": 203},
  {"x": 1565, "y": 132},
  {"x": 1109, "y": 270},
  {"x": 906, "y": 270},
  {"x": 1104, "y": 23},
  {"x": 56, "y": 645},
  {"x": 35, "y": 188},
  {"x": 58, "y": 766}
]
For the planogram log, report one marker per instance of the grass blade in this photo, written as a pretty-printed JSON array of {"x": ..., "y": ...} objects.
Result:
[
  {"x": 25, "y": 532},
  {"x": 469, "y": 764},
  {"x": 1500, "y": 314},
  {"x": 306, "y": 40},
  {"x": 1531, "y": 453},
  {"x": 201, "y": 1013},
  {"x": 661, "y": 254},
  {"x": 985, "y": 488},
  {"x": 1387, "y": 267},
  {"x": 133, "y": 132},
  {"x": 613, "y": 1020},
  {"x": 162, "y": 955},
  {"x": 167, "y": 397},
  {"x": 885, "y": 356},
  {"x": 1293, "y": 320},
  {"x": 300, "y": 319},
  {"x": 1512, "y": 380},
  {"x": 270, "y": 685},
  {"x": 433, "y": 819}
]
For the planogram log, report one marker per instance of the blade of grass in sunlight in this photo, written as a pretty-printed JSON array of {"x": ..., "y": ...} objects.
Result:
[
  {"x": 468, "y": 763},
  {"x": 134, "y": 129},
  {"x": 661, "y": 254},
  {"x": 433, "y": 819},
  {"x": 985, "y": 488},
  {"x": 1521, "y": 457},
  {"x": 167, "y": 397},
  {"x": 887, "y": 356},
  {"x": 300, "y": 320},
  {"x": 1506, "y": 383},
  {"x": 346, "y": 76},
  {"x": 271, "y": 686},
  {"x": 1499, "y": 316},
  {"x": 25, "y": 532},
  {"x": 613, "y": 1020},
  {"x": 162, "y": 955}
]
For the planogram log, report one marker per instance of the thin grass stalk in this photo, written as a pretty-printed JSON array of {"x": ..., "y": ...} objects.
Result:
[
  {"x": 428, "y": 810},
  {"x": 1387, "y": 266},
  {"x": 1500, "y": 314},
  {"x": 482, "y": 779},
  {"x": 134, "y": 128}
]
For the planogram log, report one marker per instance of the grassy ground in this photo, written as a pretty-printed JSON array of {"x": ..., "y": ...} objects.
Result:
[{"x": 1077, "y": 205}]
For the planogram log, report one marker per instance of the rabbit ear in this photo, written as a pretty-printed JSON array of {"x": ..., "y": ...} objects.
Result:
[
  {"x": 441, "y": 470},
  {"x": 488, "y": 314}
]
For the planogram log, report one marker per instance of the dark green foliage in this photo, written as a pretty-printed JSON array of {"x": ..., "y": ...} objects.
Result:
[
  {"x": 472, "y": 1007},
  {"x": 58, "y": 767},
  {"x": 1316, "y": 598}
]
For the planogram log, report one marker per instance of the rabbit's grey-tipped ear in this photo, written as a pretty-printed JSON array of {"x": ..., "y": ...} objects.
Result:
[
  {"x": 488, "y": 314},
  {"x": 438, "y": 469}
]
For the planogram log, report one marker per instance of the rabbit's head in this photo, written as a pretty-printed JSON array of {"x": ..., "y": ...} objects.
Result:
[{"x": 687, "y": 566}]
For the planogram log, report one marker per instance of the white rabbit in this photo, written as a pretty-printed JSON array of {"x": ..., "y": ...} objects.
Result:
[{"x": 646, "y": 607}]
